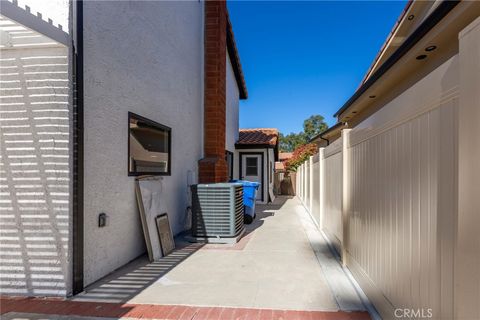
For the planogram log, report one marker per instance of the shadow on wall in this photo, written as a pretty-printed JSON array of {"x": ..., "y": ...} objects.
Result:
[
  {"x": 125, "y": 283},
  {"x": 34, "y": 171}
]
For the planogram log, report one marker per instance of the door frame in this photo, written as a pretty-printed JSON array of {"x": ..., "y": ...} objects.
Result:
[{"x": 240, "y": 160}]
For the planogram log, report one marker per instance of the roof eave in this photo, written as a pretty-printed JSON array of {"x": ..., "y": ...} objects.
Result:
[
  {"x": 235, "y": 59},
  {"x": 431, "y": 21},
  {"x": 391, "y": 35},
  {"x": 335, "y": 127}
]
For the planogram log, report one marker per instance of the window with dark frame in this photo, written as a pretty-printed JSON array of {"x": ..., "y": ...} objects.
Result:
[
  {"x": 252, "y": 166},
  {"x": 149, "y": 147}
]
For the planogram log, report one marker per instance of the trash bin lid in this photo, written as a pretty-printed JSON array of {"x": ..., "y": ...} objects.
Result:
[{"x": 246, "y": 183}]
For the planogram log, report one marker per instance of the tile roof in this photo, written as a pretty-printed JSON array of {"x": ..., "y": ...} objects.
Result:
[{"x": 267, "y": 136}]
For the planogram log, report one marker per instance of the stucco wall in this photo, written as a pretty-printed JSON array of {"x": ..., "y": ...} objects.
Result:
[
  {"x": 35, "y": 201},
  {"x": 232, "y": 100},
  {"x": 148, "y": 62}
]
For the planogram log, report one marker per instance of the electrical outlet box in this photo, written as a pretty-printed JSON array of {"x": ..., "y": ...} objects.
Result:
[{"x": 102, "y": 220}]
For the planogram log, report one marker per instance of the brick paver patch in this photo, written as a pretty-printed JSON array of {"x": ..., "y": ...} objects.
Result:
[{"x": 165, "y": 312}]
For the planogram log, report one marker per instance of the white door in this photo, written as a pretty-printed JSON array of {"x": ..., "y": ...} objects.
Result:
[{"x": 252, "y": 171}]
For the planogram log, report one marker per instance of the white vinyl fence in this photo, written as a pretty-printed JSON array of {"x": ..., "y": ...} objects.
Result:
[
  {"x": 385, "y": 195},
  {"x": 332, "y": 218},
  {"x": 396, "y": 233},
  {"x": 314, "y": 204}
]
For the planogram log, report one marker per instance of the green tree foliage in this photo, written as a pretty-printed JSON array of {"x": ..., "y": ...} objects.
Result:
[
  {"x": 291, "y": 141},
  {"x": 311, "y": 127}
]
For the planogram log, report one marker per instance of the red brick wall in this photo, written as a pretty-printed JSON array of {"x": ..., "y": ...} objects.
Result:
[{"x": 213, "y": 167}]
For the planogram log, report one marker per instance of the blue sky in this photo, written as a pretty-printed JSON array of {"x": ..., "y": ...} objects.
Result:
[{"x": 304, "y": 58}]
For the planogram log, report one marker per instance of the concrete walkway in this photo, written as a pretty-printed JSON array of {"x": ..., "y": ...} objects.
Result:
[
  {"x": 282, "y": 264},
  {"x": 276, "y": 266}
]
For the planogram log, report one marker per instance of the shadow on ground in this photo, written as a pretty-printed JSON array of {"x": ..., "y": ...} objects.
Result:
[
  {"x": 125, "y": 283},
  {"x": 128, "y": 281}
]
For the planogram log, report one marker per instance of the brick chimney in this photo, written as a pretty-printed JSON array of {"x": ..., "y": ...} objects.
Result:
[{"x": 213, "y": 167}]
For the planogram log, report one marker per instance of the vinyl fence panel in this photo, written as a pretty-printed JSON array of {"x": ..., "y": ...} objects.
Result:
[
  {"x": 315, "y": 198},
  {"x": 306, "y": 198},
  {"x": 332, "y": 222}
]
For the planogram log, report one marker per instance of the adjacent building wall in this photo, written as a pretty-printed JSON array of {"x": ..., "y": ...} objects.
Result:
[
  {"x": 35, "y": 172},
  {"x": 148, "y": 62}
]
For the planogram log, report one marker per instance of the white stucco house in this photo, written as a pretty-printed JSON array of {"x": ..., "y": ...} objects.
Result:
[
  {"x": 89, "y": 105},
  {"x": 256, "y": 153}
]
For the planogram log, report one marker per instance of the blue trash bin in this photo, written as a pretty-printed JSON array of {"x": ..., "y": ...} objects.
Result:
[{"x": 249, "y": 195}]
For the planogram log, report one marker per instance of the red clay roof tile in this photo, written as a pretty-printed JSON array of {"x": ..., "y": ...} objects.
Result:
[{"x": 267, "y": 136}]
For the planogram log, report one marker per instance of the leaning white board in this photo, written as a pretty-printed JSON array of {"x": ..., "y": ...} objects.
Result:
[{"x": 149, "y": 190}]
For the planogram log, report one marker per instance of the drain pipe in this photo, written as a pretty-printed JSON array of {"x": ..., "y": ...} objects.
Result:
[{"x": 328, "y": 142}]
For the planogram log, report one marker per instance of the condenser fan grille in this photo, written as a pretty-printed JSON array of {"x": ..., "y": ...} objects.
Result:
[{"x": 217, "y": 210}]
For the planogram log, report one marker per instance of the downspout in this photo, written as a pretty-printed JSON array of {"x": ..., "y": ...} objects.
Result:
[
  {"x": 328, "y": 142},
  {"x": 78, "y": 149}
]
